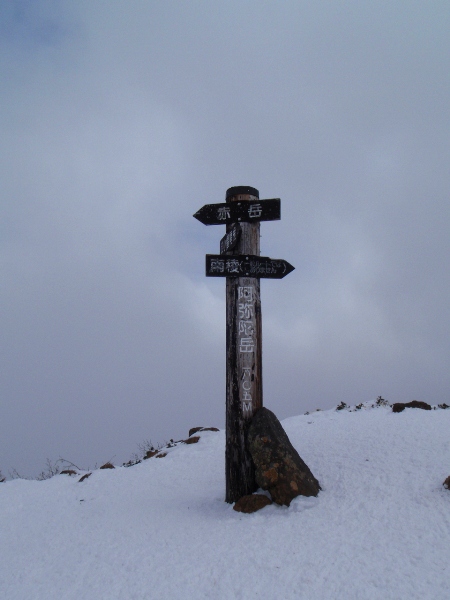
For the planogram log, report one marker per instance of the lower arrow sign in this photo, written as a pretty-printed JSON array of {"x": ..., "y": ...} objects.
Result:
[{"x": 242, "y": 265}]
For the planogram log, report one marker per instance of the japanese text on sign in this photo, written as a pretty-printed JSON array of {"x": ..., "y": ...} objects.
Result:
[
  {"x": 233, "y": 212},
  {"x": 246, "y": 326},
  {"x": 219, "y": 265}
]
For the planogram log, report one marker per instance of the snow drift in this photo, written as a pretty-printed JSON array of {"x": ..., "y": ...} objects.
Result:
[{"x": 379, "y": 529}]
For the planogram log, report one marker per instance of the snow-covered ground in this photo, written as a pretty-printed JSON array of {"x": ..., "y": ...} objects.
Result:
[{"x": 379, "y": 529}]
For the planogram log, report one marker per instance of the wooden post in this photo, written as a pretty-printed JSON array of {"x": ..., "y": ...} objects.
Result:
[
  {"x": 243, "y": 355},
  {"x": 240, "y": 262}
]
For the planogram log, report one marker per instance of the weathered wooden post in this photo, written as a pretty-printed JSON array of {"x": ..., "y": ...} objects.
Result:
[
  {"x": 244, "y": 355},
  {"x": 240, "y": 262}
]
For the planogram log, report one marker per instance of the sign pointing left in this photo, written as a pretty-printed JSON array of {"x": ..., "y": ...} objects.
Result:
[{"x": 235, "y": 212}]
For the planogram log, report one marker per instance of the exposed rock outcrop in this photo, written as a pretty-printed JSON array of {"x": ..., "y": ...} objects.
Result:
[
  {"x": 150, "y": 453},
  {"x": 191, "y": 440},
  {"x": 278, "y": 466},
  {"x": 196, "y": 429},
  {"x": 400, "y": 406}
]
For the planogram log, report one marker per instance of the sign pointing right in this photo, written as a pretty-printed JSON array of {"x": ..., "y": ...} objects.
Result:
[{"x": 241, "y": 265}]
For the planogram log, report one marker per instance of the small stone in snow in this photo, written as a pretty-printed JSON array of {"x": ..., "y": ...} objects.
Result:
[{"x": 251, "y": 503}]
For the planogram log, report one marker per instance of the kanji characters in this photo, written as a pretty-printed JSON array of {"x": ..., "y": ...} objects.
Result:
[
  {"x": 223, "y": 213},
  {"x": 246, "y": 310},
  {"x": 217, "y": 266},
  {"x": 245, "y": 293},
  {"x": 255, "y": 211},
  {"x": 233, "y": 266},
  {"x": 246, "y": 344},
  {"x": 246, "y": 327}
]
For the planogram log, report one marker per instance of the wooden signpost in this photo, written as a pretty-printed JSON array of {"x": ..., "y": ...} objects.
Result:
[{"x": 240, "y": 262}]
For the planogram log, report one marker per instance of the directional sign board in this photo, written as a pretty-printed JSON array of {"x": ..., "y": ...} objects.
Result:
[
  {"x": 241, "y": 265},
  {"x": 234, "y": 212},
  {"x": 230, "y": 240}
]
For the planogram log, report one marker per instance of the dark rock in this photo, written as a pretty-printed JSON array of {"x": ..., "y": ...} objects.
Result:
[
  {"x": 195, "y": 429},
  {"x": 107, "y": 465},
  {"x": 150, "y": 453},
  {"x": 400, "y": 406},
  {"x": 278, "y": 466},
  {"x": 161, "y": 455},
  {"x": 252, "y": 503},
  {"x": 446, "y": 483},
  {"x": 192, "y": 440},
  {"x": 68, "y": 472},
  {"x": 444, "y": 406},
  {"x": 84, "y": 477}
]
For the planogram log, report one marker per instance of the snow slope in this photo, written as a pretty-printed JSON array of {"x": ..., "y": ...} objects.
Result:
[{"x": 379, "y": 529}]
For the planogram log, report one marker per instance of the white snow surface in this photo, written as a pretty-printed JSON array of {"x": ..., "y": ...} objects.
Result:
[{"x": 379, "y": 529}]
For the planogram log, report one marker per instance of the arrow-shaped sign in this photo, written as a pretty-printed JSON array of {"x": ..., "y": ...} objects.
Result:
[
  {"x": 235, "y": 212},
  {"x": 242, "y": 265}
]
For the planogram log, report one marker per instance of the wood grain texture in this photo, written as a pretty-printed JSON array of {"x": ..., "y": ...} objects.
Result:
[{"x": 244, "y": 364}]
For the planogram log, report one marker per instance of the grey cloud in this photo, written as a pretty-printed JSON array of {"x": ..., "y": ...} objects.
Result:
[{"x": 119, "y": 123}]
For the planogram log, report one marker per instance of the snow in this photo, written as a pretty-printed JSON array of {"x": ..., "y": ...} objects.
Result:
[{"x": 379, "y": 529}]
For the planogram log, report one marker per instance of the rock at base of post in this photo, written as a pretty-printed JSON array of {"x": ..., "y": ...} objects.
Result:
[{"x": 279, "y": 468}]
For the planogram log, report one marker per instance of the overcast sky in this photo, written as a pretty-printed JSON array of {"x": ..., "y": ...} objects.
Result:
[{"x": 120, "y": 119}]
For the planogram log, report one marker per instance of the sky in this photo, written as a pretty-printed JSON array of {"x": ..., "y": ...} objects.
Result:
[{"x": 119, "y": 120}]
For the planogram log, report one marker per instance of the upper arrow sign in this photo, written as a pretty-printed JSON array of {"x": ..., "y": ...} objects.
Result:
[
  {"x": 241, "y": 265},
  {"x": 234, "y": 212}
]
